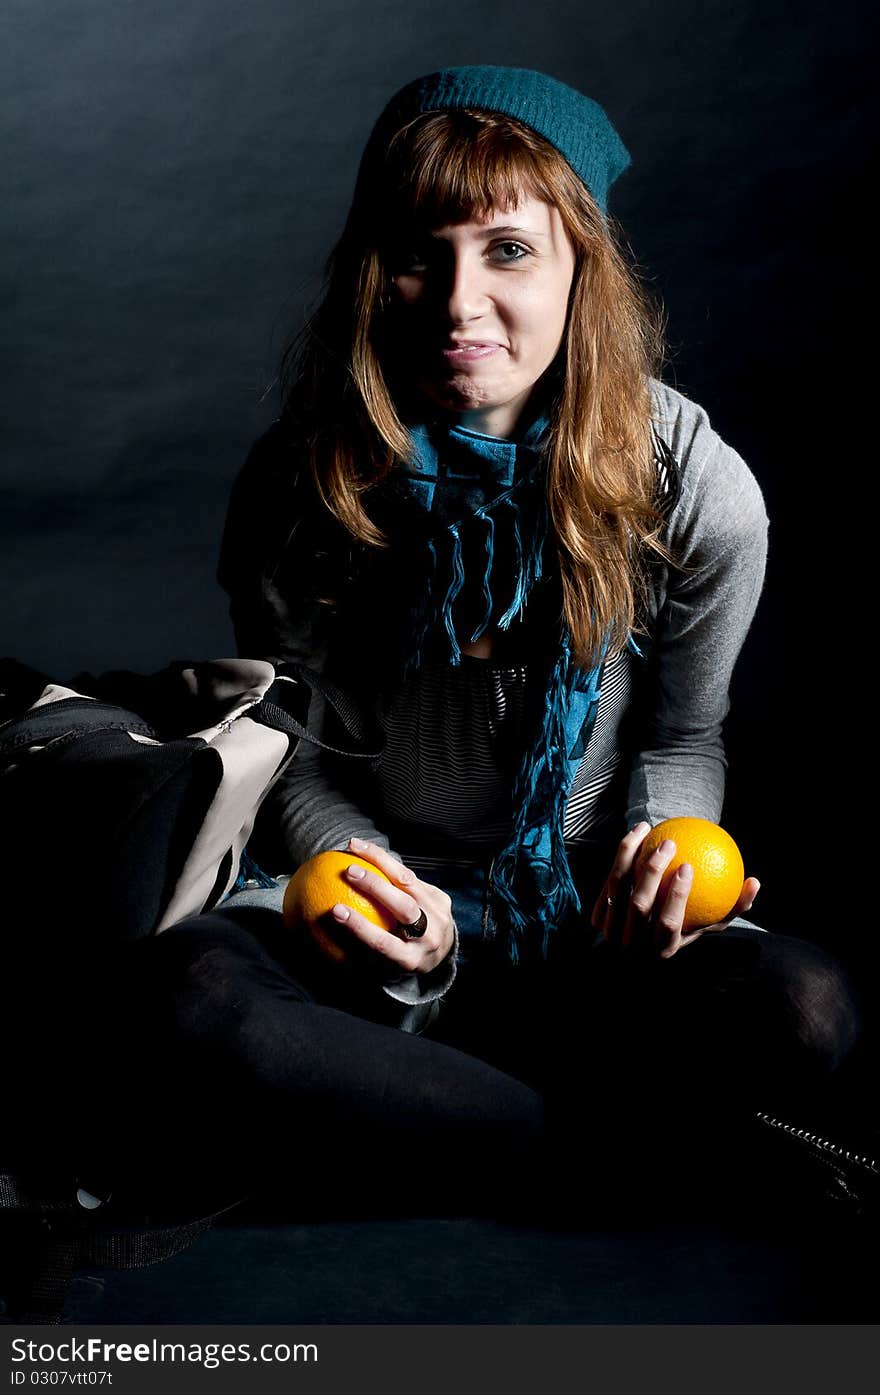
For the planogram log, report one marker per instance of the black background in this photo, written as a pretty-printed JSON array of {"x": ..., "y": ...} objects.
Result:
[{"x": 174, "y": 176}]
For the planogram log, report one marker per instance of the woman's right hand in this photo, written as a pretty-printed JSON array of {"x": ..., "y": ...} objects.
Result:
[{"x": 406, "y": 896}]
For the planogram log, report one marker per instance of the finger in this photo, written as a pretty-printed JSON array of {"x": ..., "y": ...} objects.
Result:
[
  {"x": 668, "y": 926},
  {"x": 613, "y": 893},
  {"x": 404, "y": 876},
  {"x": 407, "y": 954},
  {"x": 404, "y": 907},
  {"x": 644, "y": 892},
  {"x": 750, "y": 889},
  {"x": 627, "y": 852}
]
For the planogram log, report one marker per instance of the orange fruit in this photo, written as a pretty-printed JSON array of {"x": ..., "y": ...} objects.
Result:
[
  {"x": 717, "y": 862},
  {"x": 316, "y": 887}
]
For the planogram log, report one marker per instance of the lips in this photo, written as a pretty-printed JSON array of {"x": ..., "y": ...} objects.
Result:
[{"x": 467, "y": 350}]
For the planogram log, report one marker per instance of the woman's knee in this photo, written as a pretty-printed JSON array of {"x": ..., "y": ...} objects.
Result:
[
  {"x": 200, "y": 977},
  {"x": 799, "y": 1007},
  {"x": 821, "y": 1001}
]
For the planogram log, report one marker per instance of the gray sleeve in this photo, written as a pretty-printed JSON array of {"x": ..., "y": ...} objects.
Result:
[
  {"x": 420, "y": 994},
  {"x": 719, "y": 531},
  {"x": 313, "y": 816}
]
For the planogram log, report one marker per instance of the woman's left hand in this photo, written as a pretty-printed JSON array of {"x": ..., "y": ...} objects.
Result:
[
  {"x": 406, "y": 897},
  {"x": 631, "y": 911}
]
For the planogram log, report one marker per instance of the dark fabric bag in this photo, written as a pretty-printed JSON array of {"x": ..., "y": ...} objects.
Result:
[{"x": 126, "y": 799}]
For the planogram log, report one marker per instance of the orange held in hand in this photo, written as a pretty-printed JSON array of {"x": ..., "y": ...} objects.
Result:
[
  {"x": 317, "y": 886},
  {"x": 717, "y": 863}
]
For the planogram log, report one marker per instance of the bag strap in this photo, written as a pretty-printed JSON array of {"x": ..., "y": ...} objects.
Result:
[
  {"x": 273, "y": 712},
  {"x": 52, "y": 722},
  {"x": 72, "y": 716}
]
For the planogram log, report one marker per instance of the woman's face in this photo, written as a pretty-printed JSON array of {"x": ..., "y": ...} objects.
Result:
[{"x": 480, "y": 309}]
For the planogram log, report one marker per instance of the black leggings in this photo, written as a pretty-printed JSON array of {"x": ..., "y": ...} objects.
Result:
[{"x": 235, "y": 1066}]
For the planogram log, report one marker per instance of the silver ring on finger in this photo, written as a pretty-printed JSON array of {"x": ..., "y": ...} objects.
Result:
[{"x": 416, "y": 930}]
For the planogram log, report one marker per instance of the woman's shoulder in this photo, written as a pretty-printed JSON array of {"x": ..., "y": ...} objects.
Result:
[
  {"x": 269, "y": 501},
  {"x": 684, "y": 425},
  {"x": 714, "y": 479},
  {"x": 271, "y": 460}
]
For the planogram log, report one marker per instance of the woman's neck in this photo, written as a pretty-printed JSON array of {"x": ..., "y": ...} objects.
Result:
[
  {"x": 509, "y": 421},
  {"x": 499, "y": 422}
]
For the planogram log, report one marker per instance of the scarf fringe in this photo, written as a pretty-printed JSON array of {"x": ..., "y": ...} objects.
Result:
[
  {"x": 521, "y": 589},
  {"x": 249, "y": 870},
  {"x": 539, "y": 830},
  {"x": 529, "y": 565},
  {"x": 589, "y": 685},
  {"x": 536, "y": 552},
  {"x": 487, "y": 576},
  {"x": 455, "y": 586}
]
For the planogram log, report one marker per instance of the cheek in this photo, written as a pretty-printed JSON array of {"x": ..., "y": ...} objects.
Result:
[
  {"x": 403, "y": 296},
  {"x": 545, "y": 296},
  {"x": 543, "y": 320},
  {"x": 405, "y": 291},
  {"x": 557, "y": 317}
]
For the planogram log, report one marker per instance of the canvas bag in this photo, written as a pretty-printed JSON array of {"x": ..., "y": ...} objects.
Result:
[{"x": 127, "y": 800}]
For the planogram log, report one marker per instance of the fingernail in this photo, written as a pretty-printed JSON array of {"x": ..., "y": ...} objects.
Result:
[
  {"x": 341, "y": 912},
  {"x": 356, "y": 871},
  {"x": 667, "y": 846},
  {"x": 356, "y": 843},
  {"x": 636, "y": 826},
  {"x": 685, "y": 872}
]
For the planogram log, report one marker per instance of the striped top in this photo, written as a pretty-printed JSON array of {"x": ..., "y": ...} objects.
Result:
[{"x": 454, "y": 742}]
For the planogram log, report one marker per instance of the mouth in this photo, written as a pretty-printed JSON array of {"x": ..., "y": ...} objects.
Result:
[{"x": 469, "y": 353}]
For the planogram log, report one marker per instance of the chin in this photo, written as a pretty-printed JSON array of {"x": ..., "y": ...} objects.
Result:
[{"x": 464, "y": 392}]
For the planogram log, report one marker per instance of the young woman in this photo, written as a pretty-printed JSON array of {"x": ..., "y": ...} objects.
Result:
[{"x": 483, "y": 514}]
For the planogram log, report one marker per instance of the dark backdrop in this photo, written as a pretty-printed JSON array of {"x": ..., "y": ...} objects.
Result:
[{"x": 174, "y": 178}]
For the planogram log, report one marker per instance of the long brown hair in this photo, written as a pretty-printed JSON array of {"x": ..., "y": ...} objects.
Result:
[{"x": 338, "y": 377}]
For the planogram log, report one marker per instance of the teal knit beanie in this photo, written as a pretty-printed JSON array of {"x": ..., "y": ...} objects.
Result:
[{"x": 576, "y": 125}]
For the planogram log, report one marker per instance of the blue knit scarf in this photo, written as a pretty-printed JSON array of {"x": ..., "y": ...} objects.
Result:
[{"x": 470, "y": 483}]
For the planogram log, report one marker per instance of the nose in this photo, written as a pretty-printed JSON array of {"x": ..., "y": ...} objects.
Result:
[{"x": 466, "y": 292}]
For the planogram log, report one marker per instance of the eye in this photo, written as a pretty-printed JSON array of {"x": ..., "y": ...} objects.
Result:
[
  {"x": 517, "y": 246},
  {"x": 406, "y": 260}
]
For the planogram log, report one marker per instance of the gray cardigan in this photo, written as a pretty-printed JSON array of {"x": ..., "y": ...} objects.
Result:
[{"x": 699, "y": 619}]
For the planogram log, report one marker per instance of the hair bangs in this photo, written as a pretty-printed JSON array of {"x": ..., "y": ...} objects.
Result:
[{"x": 454, "y": 167}]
